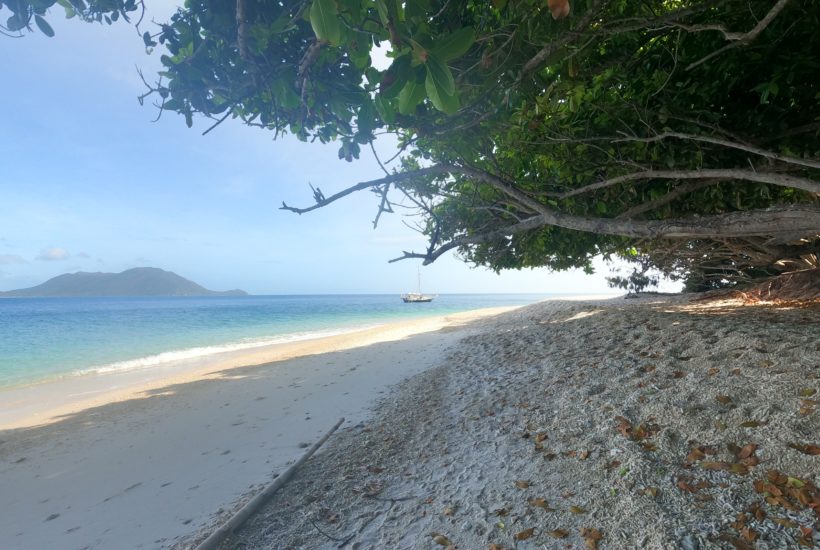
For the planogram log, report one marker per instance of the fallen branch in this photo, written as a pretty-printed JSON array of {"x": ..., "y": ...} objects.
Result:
[{"x": 240, "y": 517}]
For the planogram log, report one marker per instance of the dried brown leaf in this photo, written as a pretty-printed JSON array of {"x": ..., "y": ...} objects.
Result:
[
  {"x": 785, "y": 522},
  {"x": 812, "y": 450},
  {"x": 501, "y": 512},
  {"x": 748, "y": 534},
  {"x": 724, "y": 399},
  {"x": 538, "y": 503},
  {"x": 577, "y": 510},
  {"x": 710, "y": 465},
  {"x": 559, "y": 533},
  {"x": 375, "y": 469},
  {"x": 808, "y": 392},
  {"x": 747, "y": 451},
  {"x": 591, "y": 537},
  {"x": 695, "y": 455},
  {"x": 525, "y": 534},
  {"x": 440, "y": 539},
  {"x": 522, "y": 484}
]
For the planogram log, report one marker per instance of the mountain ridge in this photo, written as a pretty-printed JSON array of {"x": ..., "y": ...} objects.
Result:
[{"x": 139, "y": 281}]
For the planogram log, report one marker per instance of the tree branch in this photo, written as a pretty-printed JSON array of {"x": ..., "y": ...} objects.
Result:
[
  {"x": 738, "y": 39},
  {"x": 672, "y": 195},
  {"x": 394, "y": 178},
  {"x": 538, "y": 59},
  {"x": 810, "y": 163},
  {"x": 772, "y": 178},
  {"x": 789, "y": 222}
]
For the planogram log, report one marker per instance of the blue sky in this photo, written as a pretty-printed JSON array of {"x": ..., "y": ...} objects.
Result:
[{"x": 90, "y": 183}]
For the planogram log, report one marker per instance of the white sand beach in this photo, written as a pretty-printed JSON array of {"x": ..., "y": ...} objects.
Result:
[
  {"x": 649, "y": 423},
  {"x": 141, "y": 458},
  {"x": 626, "y": 423}
]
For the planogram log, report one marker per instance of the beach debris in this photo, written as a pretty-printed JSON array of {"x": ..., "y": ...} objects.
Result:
[
  {"x": 522, "y": 484},
  {"x": 688, "y": 485},
  {"x": 440, "y": 539},
  {"x": 539, "y": 503},
  {"x": 559, "y": 533},
  {"x": 636, "y": 433},
  {"x": 791, "y": 493},
  {"x": 650, "y": 491},
  {"x": 501, "y": 512},
  {"x": 495, "y": 546},
  {"x": 525, "y": 534},
  {"x": 752, "y": 424},
  {"x": 591, "y": 537},
  {"x": 724, "y": 400},
  {"x": 577, "y": 510},
  {"x": 806, "y": 449},
  {"x": 807, "y": 406},
  {"x": 807, "y": 392}
]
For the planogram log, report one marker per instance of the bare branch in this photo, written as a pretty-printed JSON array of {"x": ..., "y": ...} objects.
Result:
[
  {"x": 737, "y": 39},
  {"x": 218, "y": 122},
  {"x": 672, "y": 195},
  {"x": 394, "y": 178},
  {"x": 541, "y": 57},
  {"x": 811, "y": 163},
  {"x": 772, "y": 178}
]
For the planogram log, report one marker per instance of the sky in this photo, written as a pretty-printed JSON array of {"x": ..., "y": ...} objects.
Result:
[{"x": 89, "y": 182}]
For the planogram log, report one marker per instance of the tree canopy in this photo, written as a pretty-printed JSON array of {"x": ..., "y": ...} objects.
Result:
[{"x": 683, "y": 134}]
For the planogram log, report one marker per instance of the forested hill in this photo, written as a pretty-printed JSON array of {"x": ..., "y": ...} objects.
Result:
[{"x": 140, "y": 281}]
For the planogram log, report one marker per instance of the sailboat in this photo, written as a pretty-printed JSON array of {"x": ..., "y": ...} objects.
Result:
[{"x": 417, "y": 297}]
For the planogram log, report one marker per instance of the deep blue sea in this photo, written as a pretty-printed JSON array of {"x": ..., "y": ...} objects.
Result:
[{"x": 43, "y": 338}]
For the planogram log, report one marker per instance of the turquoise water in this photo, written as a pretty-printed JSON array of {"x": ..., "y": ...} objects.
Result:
[{"x": 42, "y": 338}]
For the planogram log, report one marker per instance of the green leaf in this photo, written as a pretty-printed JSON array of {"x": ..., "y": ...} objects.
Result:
[
  {"x": 443, "y": 102},
  {"x": 15, "y": 23},
  {"x": 325, "y": 22},
  {"x": 381, "y": 7},
  {"x": 385, "y": 109},
  {"x": 411, "y": 95},
  {"x": 43, "y": 25},
  {"x": 440, "y": 86},
  {"x": 440, "y": 75},
  {"x": 454, "y": 45}
]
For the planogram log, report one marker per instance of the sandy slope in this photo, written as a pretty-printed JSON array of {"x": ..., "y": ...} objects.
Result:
[
  {"x": 158, "y": 453},
  {"x": 650, "y": 423}
]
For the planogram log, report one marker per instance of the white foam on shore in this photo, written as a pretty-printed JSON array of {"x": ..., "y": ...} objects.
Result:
[{"x": 168, "y": 358}]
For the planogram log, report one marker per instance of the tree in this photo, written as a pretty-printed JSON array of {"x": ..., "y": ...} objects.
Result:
[{"x": 679, "y": 133}]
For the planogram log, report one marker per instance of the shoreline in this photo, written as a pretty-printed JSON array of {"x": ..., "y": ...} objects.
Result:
[
  {"x": 147, "y": 465},
  {"x": 41, "y": 402}
]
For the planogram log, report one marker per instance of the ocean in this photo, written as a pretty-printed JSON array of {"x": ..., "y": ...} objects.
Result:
[{"x": 47, "y": 338}]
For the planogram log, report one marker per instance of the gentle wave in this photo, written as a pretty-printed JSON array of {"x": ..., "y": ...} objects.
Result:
[{"x": 175, "y": 356}]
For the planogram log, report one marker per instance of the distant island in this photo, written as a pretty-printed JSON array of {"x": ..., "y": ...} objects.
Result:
[{"x": 140, "y": 281}]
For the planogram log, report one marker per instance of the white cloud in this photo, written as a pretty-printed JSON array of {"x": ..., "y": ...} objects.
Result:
[
  {"x": 53, "y": 254},
  {"x": 8, "y": 259}
]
